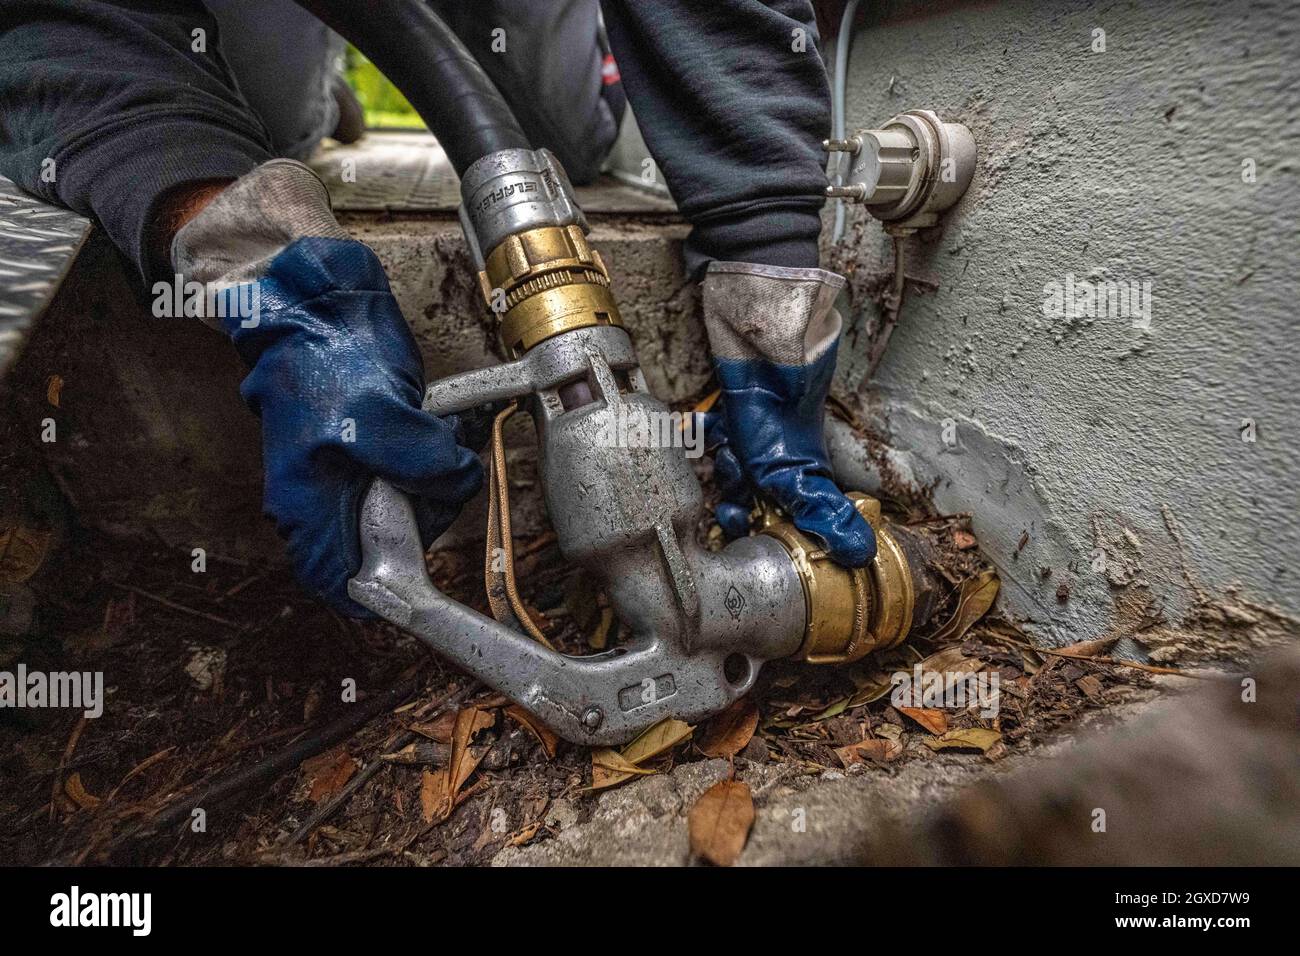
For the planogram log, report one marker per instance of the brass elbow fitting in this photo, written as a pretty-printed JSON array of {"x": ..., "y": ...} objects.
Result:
[
  {"x": 545, "y": 281},
  {"x": 851, "y": 612}
]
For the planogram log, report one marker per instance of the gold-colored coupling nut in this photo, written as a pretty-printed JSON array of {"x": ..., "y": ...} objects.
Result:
[
  {"x": 851, "y": 611},
  {"x": 546, "y": 281}
]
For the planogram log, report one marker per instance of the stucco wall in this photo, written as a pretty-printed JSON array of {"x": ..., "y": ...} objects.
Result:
[{"x": 1103, "y": 442}]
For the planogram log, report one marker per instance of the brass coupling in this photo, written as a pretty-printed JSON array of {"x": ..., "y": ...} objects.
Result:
[
  {"x": 545, "y": 281},
  {"x": 851, "y": 612}
]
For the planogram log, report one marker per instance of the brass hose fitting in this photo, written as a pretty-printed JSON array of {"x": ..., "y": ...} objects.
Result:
[
  {"x": 850, "y": 612},
  {"x": 545, "y": 281}
]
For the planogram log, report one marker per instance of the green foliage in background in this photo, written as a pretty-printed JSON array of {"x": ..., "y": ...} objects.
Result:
[{"x": 384, "y": 104}]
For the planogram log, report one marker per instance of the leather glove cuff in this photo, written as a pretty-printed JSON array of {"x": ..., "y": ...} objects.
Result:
[
  {"x": 233, "y": 240},
  {"x": 772, "y": 313}
]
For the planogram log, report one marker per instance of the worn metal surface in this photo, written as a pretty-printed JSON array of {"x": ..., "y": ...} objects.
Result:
[
  {"x": 513, "y": 191},
  {"x": 701, "y": 623},
  {"x": 408, "y": 172},
  {"x": 38, "y": 242}
]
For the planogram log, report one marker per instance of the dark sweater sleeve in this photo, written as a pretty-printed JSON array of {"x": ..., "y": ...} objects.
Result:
[
  {"x": 105, "y": 105},
  {"x": 733, "y": 102}
]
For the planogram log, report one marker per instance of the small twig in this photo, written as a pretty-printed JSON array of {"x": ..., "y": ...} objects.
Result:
[
  {"x": 278, "y": 763},
  {"x": 223, "y": 755},
  {"x": 165, "y": 602},
  {"x": 56, "y": 790},
  {"x": 892, "y": 305},
  {"x": 327, "y": 809},
  {"x": 1149, "y": 668}
]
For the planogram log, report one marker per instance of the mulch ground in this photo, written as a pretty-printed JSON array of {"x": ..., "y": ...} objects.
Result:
[{"x": 209, "y": 673}]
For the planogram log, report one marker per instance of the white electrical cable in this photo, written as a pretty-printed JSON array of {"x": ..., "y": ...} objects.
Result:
[{"x": 842, "y": 42}]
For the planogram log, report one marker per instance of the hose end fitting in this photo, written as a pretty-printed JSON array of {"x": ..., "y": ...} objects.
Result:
[
  {"x": 851, "y": 612},
  {"x": 528, "y": 238}
]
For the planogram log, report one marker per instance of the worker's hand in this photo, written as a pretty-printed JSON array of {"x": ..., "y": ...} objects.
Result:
[
  {"x": 774, "y": 333},
  {"x": 335, "y": 374}
]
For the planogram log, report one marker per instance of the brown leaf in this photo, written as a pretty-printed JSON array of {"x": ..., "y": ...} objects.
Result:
[
  {"x": 438, "y": 729},
  {"x": 440, "y": 791},
  {"x": 932, "y": 719},
  {"x": 609, "y": 767},
  {"x": 871, "y": 689},
  {"x": 971, "y": 738},
  {"x": 329, "y": 773},
  {"x": 1089, "y": 685},
  {"x": 726, "y": 734},
  {"x": 720, "y": 821},
  {"x": 538, "y": 729},
  {"x": 463, "y": 760},
  {"x": 524, "y": 835},
  {"x": 599, "y": 637},
  {"x": 891, "y": 731},
  {"x": 22, "y": 552},
  {"x": 1096, "y": 648},
  {"x": 74, "y": 788},
  {"x": 976, "y": 596},
  {"x": 607, "y": 770},
  {"x": 879, "y": 749},
  {"x": 433, "y": 794},
  {"x": 53, "y": 386},
  {"x": 963, "y": 540}
]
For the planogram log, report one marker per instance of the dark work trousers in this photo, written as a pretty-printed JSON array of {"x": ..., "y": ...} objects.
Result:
[{"x": 106, "y": 105}]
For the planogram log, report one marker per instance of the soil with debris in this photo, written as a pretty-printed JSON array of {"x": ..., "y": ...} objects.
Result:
[{"x": 207, "y": 673}]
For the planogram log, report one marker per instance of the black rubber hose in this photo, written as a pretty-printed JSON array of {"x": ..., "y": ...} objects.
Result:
[{"x": 418, "y": 52}]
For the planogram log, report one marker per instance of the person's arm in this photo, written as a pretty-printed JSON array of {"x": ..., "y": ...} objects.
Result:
[
  {"x": 733, "y": 102},
  {"x": 146, "y": 135},
  {"x": 108, "y": 107}
]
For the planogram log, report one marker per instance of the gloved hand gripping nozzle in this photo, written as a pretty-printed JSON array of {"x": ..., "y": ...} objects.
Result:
[{"x": 701, "y": 623}]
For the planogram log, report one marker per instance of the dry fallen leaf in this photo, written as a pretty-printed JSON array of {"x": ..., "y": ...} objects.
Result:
[
  {"x": 74, "y": 788},
  {"x": 932, "y": 719},
  {"x": 607, "y": 770},
  {"x": 963, "y": 540},
  {"x": 539, "y": 730},
  {"x": 440, "y": 791},
  {"x": 726, "y": 734},
  {"x": 720, "y": 821},
  {"x": 432, "y": 790},
  {"x": 329, "y": 773},
  {"x": 974, "y": 599},
  {"x": 1097, "y": 648},
  {"x": 871, "y": 689},
  {"x": 53, "y": 386},
  {"x": 891, "y": 731},
  {"x": 598, "y": 640},
  {"x": 609, "y": 767},
  {"x": 880, "y": 749},
  {"x": 439, "y": 728},
  {"x": 972, "y": 738},
  {"x": 524, "y": 835},
  {"x": 22, "y": 552},
  {"x": 1090, "y": 686}
]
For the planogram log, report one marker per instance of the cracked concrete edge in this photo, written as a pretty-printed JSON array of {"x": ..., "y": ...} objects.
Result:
[
  {"x": 1120, "y": 422},
  {"x": 833, "y": 818},
  {"x": 1132, "y": 578}
]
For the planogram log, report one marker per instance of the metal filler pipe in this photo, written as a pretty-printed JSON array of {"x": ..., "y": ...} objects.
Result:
[{"x": 701, "y": 623}]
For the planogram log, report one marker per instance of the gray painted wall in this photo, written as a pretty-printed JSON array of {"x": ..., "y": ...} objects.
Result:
[{"x": 1088, "y": 434}]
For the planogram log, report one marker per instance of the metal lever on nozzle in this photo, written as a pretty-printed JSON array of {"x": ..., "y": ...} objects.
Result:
[{"x": 700, "y": 623}]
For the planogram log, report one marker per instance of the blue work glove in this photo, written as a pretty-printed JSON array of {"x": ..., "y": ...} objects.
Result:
[
  {"x": 774, "y": 334},
  {"x": 335, "y": 375}
]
